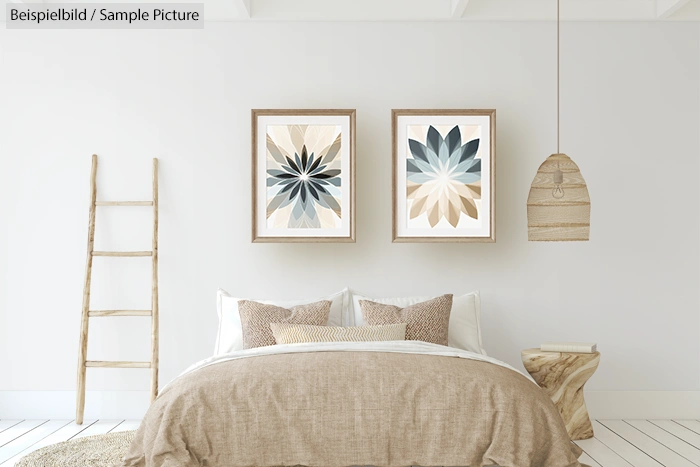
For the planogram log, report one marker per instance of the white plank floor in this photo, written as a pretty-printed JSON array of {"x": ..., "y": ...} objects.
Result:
[
  {"x": 643, "y": 443},
  {"x": 20, "y": 437},
  {"x": 617, "y": 443}
]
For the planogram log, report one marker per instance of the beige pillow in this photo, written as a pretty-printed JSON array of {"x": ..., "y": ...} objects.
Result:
[
  {"x": 286, "y": 333},
  {"x": 425, "y": 321},
  {"x": 256, "y": 318}
]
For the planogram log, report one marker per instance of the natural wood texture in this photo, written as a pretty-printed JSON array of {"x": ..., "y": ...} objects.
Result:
[
  {"x": 84, "y": 320},
  {"x": 122, "y": 253},
  {"x": 83, "y": 363},
  {"x": 564, "y": 214},
  {"x": 102, "y": 364},
  {"x": 255, "y": 113},
  {"x": 540, "y": 196},
  {"x": 565, "y": 219},
  {"x": 543, "y": 180},
  {"x": 395, "y": 114},
  {"x": 102, "y": 313},
  {"x": 562, "y": 232},
  {"x": 154, "y": 287},
  {"x": 124, "y": 203},
  {"x": 562, "y": 375}
]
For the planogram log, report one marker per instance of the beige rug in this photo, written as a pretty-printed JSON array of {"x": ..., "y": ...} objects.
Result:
[{"x": 90, "y": 451}]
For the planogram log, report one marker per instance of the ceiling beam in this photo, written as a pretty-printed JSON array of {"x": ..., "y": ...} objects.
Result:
[
  {"x": 458, "y": 7},
  {"x": 244, "y": 8},
  {"x": 666, "y": 8}
]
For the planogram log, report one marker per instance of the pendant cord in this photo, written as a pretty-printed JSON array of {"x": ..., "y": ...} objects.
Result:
[{"x": 558, "y": 67}]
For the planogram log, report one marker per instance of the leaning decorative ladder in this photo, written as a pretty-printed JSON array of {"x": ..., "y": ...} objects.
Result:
[{"x": 83, "y": 363}]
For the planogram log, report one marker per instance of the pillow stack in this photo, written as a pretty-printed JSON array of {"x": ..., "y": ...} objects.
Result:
[
  {"x": 229, "y": 337},
  {"x": 443, "y": 320}
]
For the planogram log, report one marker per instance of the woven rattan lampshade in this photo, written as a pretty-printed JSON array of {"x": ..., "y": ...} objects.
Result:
[
  {"x": 558, "y": 206},
  {"x": 558, "y": 219}
]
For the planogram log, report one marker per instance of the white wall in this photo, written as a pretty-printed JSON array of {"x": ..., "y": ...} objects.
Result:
[{"x": 630, "y": 119}]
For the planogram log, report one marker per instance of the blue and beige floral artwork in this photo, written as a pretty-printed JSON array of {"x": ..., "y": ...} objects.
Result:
[
  {"x": 304, "y": 176},
  {"x": 443, "y": 174}
]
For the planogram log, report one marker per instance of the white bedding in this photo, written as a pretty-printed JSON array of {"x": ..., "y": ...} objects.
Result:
[{"x": 409, "y": 347}]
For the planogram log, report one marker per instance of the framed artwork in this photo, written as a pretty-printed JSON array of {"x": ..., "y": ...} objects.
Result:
[
  {"x": 303, "y": 175},
  {"x": 444, "y": 175}
]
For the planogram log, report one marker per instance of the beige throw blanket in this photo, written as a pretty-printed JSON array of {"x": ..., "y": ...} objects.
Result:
[{"x": 372, "y": 405}]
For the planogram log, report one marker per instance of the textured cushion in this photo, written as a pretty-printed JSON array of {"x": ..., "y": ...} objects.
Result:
[
  {"x": 286, "y": 333},
  {"x": 465, "y": 317},
  {"x": 256, "y": 318},
  {"x": 425, "y": 321},
  {"x": 229, "y": 336}
]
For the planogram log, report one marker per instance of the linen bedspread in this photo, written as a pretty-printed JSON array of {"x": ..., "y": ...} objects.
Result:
[{"x": 382, "y": 404}]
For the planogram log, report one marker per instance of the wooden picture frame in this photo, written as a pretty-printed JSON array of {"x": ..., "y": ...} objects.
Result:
[
  {"x": 303, "y": 175},
  {"x": 443, "y": 190}
]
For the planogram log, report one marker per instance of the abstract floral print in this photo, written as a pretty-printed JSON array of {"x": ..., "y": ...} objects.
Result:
[
  {"x": 443, "y": 174},
  {"x": 304, "y": 176}
]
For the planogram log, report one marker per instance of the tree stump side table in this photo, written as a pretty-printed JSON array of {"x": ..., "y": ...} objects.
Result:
[{"x": 562, "y": 375}]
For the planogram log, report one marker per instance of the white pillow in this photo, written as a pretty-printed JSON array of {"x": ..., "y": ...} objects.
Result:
[
  {"x": 465, "y": 327},
  {"x": 229, "y": 337}
]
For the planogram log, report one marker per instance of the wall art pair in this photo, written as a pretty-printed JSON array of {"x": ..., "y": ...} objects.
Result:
[{"x": 443, "y": 175}]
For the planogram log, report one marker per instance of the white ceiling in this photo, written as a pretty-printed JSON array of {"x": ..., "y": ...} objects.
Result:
[{"x": 438, "y": 10}]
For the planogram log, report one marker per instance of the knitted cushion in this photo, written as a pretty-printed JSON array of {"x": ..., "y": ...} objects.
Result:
[
  {"x": 256, "y": 318},
  {"x": 286, "y": 333},
  {"x": 425, "y": 321}
]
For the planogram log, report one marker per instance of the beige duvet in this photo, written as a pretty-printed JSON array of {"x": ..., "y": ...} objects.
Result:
[{"x": 357, "y": 407}]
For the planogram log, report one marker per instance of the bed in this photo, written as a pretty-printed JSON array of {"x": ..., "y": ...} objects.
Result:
[
  {"x": 341, "y": 404},
  {"x": 426, "y": 395}
]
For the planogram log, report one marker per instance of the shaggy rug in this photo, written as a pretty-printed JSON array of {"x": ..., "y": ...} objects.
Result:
[{"x": 90, "y": 451}]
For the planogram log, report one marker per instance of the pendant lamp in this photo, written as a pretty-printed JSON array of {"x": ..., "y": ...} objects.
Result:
[{"x": 558, "y": 206}]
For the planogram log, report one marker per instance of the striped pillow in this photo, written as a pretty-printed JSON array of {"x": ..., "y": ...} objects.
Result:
[
  {"x": 427, "y": 321},
  {"x": 286, "y": 333},
  {"x": 256, "y": 318}
]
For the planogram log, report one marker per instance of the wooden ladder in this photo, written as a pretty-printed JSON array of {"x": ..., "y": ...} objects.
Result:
[{"x": 83, "y": 362}]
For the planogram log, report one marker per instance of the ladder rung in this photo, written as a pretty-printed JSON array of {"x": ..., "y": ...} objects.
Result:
[
  {"x": 96, "y": 313},
  {"x": 123, "y": 203},
  {"x": 122, "y": 253},
  {"x": 94, "y": 364}
]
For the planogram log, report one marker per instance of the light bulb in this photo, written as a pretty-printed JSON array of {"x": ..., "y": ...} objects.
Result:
[
  {"x": 557, "y": 192},
  {"x": 558, "y": 179}
]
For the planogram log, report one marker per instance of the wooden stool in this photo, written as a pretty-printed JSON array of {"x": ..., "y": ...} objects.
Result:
[{"x": 562, "y": 376}]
